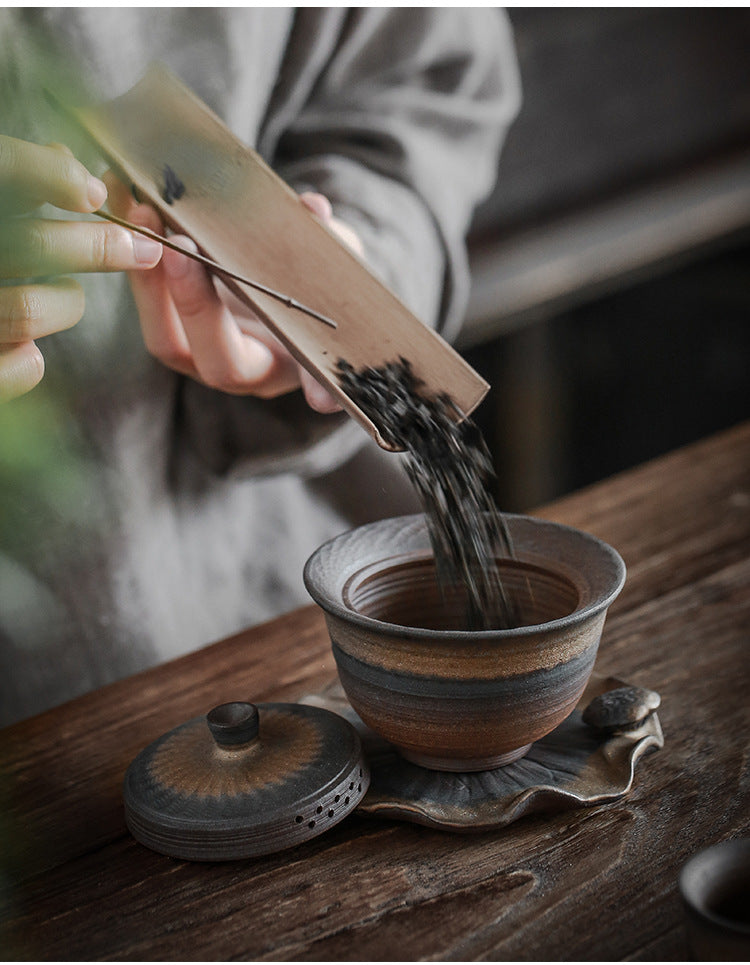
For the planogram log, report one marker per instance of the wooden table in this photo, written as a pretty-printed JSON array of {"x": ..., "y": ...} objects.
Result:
[{"x": 590, "y": 884}]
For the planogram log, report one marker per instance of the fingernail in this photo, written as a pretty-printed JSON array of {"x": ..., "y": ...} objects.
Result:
[
  {"x": 97, "y": 192},
  {"x": 146, "y": 251}
]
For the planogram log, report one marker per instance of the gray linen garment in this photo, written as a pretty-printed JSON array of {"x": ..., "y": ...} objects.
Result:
[{"x": 143, "y": 515}]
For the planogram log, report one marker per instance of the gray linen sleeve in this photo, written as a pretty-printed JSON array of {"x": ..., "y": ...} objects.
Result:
[
  {"x": 397, "y": 115},
  {"x": 402, "y": 131}
]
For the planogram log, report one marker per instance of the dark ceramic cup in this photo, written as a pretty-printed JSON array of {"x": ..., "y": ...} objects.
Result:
[
  {"x": 715, "y": 890},
  {"x": 448, "y": 698}
]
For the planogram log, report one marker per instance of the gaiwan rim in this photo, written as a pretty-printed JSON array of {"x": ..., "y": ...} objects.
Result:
[{"x": 326, "y": 590}]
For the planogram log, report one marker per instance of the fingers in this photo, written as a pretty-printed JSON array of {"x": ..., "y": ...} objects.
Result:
[
  {"x": 28, "y": 312},
  {"x": 161, "y": 326},
  {"x": 223, "y": 355},
  {"x": 189, "y": 328},
  {"x": 321, "y": 208},
  {"x": 120, "y": 201},
  {"x": 318, "y": 204},
  {"x": 32, "y": 311},
  {"x": 316, "y": 396},
  {"x": 21, "y": 368},
  {"x": 31, "y": 248},
  {"x": 32, "y": 174}
]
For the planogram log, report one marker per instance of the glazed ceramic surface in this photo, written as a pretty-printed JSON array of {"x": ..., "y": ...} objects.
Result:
[
  {"x": 243, "y": 781},
  {"x": 715, "y": 890},
  {"x": 575, "y": 766},
  {"x": 447, "y": 698}
]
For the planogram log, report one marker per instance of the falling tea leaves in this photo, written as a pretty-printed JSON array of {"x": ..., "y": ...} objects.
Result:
[{"x": 450, "y": 468}]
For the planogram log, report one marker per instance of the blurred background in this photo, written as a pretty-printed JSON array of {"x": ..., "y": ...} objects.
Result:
[{"x": 610, "y": 308}]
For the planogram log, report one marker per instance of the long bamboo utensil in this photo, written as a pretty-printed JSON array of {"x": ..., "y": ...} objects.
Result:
[{"x": 215, "y": 267}]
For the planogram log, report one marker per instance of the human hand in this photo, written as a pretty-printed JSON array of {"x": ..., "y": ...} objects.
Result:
[
  {"x": 209, "y": 336},
  {"x": 36, "y": 253}
]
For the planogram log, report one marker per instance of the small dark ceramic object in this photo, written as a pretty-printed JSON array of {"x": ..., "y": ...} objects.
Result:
[
  {"x": 715, "y": 889},
  {"x": 621, "y": 709},
  {"x": 245, "y": 780},
  {"x": 447, "y": 698}
]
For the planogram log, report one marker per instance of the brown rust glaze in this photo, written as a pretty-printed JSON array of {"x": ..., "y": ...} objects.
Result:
[
  {"x": 573, "y": 766},
  {"x": 451, "y": 699},
  {"x": 468, "y": 725},
  {"x": 193, "y": 796}
]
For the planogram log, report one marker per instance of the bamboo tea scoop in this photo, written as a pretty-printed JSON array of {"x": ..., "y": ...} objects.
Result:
[{"x": 310, "y": 289}]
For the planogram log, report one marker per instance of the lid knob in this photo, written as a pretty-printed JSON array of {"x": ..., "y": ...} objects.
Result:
[{"x": 233, "y": 724}]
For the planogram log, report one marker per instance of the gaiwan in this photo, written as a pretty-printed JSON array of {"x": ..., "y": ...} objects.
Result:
[{"x": 453, "y": 699}]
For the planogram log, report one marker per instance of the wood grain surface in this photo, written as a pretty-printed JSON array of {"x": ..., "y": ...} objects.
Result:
[{"x": 594, "y": 884}]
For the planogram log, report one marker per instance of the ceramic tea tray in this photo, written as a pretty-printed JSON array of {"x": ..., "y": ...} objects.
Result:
[{"x": 574, "y": 766}]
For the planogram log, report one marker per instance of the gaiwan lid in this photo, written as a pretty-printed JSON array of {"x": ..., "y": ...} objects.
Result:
[{"x": 245, "y": 780}]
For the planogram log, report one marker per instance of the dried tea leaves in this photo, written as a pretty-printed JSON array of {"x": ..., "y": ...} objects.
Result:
[{"x": 450, "y": 468}]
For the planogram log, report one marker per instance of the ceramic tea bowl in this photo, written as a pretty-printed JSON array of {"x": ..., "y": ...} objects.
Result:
[
  {"x": 715, "y": 890},
  {"x": 449, "y": 698}
]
